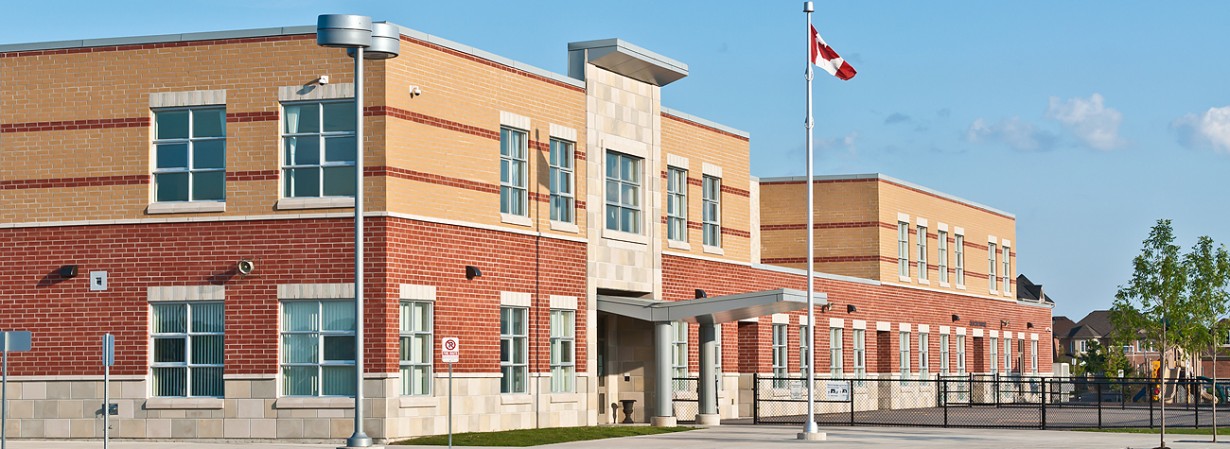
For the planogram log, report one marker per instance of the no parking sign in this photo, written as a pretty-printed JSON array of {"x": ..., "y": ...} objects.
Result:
[{"x": 450, "y": 350}]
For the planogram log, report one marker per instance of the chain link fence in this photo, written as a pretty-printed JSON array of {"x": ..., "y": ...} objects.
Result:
[{"x": 992, "y": 401}]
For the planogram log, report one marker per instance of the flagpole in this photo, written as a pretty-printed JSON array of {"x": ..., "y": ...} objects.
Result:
[{"x": 810, "y": 431}]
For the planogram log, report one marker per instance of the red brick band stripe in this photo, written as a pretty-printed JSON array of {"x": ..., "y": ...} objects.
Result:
[
  {"x": 70, "y": 125},
  {"x": 253, "y": 175},
  {"x": 258, "y": 116},
  {"x": 430, "y": 178},
  {"x": 736, "y": 191},
  {"x": 430, "y": 121},
  {"x": 736, "y": 232},
  {"x": 834, "y": 225},
  {"x": 704, "y": 127},
  {"x": 69, "y": 51},
  {"x": 491, "y": 63},
  {"x": 87, "y": 181}
]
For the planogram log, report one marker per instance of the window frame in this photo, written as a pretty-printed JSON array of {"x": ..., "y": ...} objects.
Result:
[
  {"x": 614, "y": 198},
  {"x": 287, "y": 181},
  {"x": 677, "y": 220},
  {"x": 407, "y": 388},
  {"x": 921, "y": 241},
  {"x": 959, "y": 248},
  {"x": 563, "y": 373},
  {"x": 320, "y": 334},
  {"x": 563, "y": 203},
  {"x": 803, "y": 359},
  {"x": 1007, "y": 355},
  {"x": 1007, "y": 265},
  {"x": 859, "y": 345},
  {"x": 836, "y": 358},
  {"x": 1033, "y": 356},
  {"x": 944, "y": 354},
  {"x": 903, "y": 249},
  {"x": 187, "y": 336},
  {"x": 994, "y": 356},
  {"x": 942, "y": 252},
  {"x": 679, "y": 355},
  {"x": 993, "y": 267},
  {"x": 960, "y": 347},
  {"x": 510, "y": 368},
  {"x": 780, "y": 362},
  {"x": 904, "y": 355},
  {"x": 190, "y": 143},
  {"x": 514, "y": 197},
  {"x": 711, "y": 210},
  {"x": 924, "y": 355}
]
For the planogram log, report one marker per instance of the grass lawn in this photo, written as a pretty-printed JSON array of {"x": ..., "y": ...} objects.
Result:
[
  {"x": 534, "y": 437},
  {"x": 1177, "y": 431}
]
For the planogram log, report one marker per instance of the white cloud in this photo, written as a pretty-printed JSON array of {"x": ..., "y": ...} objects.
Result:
[
  {"x": 1209, "y": 129},
  {"x": 1089, "y": 120},
  {"x": 1017, "y": 134}
]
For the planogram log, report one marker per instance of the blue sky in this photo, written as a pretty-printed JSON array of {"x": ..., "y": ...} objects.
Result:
[{"x": 1088, "y": 120}]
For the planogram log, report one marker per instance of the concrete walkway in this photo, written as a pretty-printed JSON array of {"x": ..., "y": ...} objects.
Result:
[{"x": 775, "y": 436}]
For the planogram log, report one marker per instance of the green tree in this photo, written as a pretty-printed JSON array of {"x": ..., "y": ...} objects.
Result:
[
  {"x": 1208, "y": 275},
  {"x": 1153, "y": 305}
]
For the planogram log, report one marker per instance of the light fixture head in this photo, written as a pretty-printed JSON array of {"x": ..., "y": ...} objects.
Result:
[
  {"x": 701, "y": 294},
  {"x": 956, "y": 317},
  {"x": 245, "y": 266},
  {"x": 68, "y": 271},
  {"x": 386, "y": 42},
  {"x": 343, "y": 30},
  {"x": 850, "y": 308},
  {"x": 1003, "y": 323},
  {"x": 826, "y": 307},
  {"x": 1029, "y": 325},
  {"x": 473, "y": 272}
]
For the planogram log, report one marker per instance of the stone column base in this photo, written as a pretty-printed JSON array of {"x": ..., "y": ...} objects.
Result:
[
  {"x": 707, "y": 419},
  {"x": 663, "y": 421},
  {"x": 813, "y": 436}
]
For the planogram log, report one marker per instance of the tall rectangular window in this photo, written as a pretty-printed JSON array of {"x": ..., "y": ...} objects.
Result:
[
  {"x": 318, "y": 338},
  {"x": 1007, "y": 355},
  {"x": 944, "y": 354},
  {"x": 904, "y": 354},
  {"x": 717, "y": 348},
  {"x": 514, "y": 349},
  {"x": 190, "y": 154},
  {"x": 416, "y": 347},
  {"x": 318, "y": 147},
  {"x": 942, "y": 250},
  {"x": 514, "y": 172},
  {"x": 960, "y": 252},
  {"x": 922, "y": 253},
  {"x": 803, "y": 359},
  {"x": 860, "y": 354},
  {"x": 903, "y": 249},
  {"x": 1033, "y": 356},
  {"x": 623, "y": 192},
  {"x": 711, "y": 203},
  {"x": 780, "y": 371},
  {"x": 992, "y": 268},
  {"x": 960, "y": 354},
  {"x": 563, "y": 351},
  {"x": 1007, "y": 269},
  {"x": 679, "y": 355},
  {"x": 994, "y": 360},
  {"x": 924, "y": 355},
  {"x": 563, "y": 197},
  {"x": 187, "y": 349},
  {"x": 836, "y": 361},
  {"x": 676, "y": 204}
]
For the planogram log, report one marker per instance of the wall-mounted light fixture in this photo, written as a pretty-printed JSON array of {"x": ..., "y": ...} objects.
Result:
[
  {"x": 701, "y": 294},
  {"x": 850, "y": 308},
  {"x": 473, "y": 272},
  {"x": 245, "y": 266},
  {"x": 956, "y": 317},
  {"x": 1003, "y": 323},
  {"x": 68, "y": 271},
  {"x": 826, "y": 307},
  {"x": 1029, "y": 325}
]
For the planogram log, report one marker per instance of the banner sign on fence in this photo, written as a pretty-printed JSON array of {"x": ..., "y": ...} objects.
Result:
[
  {"x": 796, "y": 389},
  {"x": 837, "y": 390}
]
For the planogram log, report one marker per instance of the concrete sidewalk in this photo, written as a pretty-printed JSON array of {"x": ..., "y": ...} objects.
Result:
[{"x": 774, "y": 436}]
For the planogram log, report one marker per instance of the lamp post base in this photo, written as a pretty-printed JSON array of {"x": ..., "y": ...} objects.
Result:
[{"x": 813, "y": 436}]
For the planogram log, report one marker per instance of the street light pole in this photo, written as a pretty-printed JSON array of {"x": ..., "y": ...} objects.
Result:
[{"x": 383, "y": 41}]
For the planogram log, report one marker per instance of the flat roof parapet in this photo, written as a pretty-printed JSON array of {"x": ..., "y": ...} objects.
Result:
[{"x": 626, "y": 59}]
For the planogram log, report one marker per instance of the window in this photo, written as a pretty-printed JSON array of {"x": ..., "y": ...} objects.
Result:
[
  {"x": 924, "y": 355},
  {"x": 712, "y": 207},
  {"x": 994, "y": 360},
  {"x": 922, "y": 253},
  {"x": 992, "y": 269},
  {"x": 563, "y": 198},
  {"x": 1033, "y": 356},
  {"x": 960, "y": 249},
  {"x": 1020, "y": 353},
  {"x": 1007, "y": 266},
  {"x": 942, "y": 250},
  {"x": 803, "y": 359},
  {"x": 779, "y": 355},
  {"x": 187, "y": 346},
  {"x": 717, "y": 348},
  {"x": 514, "y": 177},
  {"x": 318, "y": 349},
  {"x": 860, "y": 354},
  {"x": 190, "y": 154},
  {"x": 513, "y": 350},
  {"x": 905, "y": 358},
  {"x": 676, "y": 204},
  {"x": 1007, "y": 355},
  {"x": 835, "y": 357},
  {"x": 318, "y": 147},
  {"x": 960, "y": 354},
  {"x": 944, "y": 351},
  {"x": 679, "y": 354},
  {"x": 623, "y": 192},
  {"x": 903, "y": 249},
  {"x": 563, "y": 351},
  {"x": 416, "y": 350}
]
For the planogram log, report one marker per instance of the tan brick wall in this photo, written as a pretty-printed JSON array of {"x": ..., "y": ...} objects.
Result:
[
  {"x": 700, "y": 145},
  {"x": 846, "y": 239}
]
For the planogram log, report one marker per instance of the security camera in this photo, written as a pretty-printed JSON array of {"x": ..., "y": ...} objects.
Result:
[
  {"x": 324, "y": 79},
  {"x": 415, "y": 91},
  {"x": 245, "y": 266}
]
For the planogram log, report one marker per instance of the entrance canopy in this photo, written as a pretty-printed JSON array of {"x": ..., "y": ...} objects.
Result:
[{"x": 718, "y": 309}]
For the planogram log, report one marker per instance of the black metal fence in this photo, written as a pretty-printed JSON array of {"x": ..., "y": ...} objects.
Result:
[{"x": 994, "y": 401}]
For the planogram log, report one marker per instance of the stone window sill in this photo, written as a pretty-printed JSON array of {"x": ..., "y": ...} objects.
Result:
[
  {"x": 418, "y": 401},
  {"x": 292, "y": 403},
  {"x": 519, "y": 220},
  {"x": 183, "y": 403},
  {"x": 315, "y": 203},
  {"x": 186, "y": 207}
]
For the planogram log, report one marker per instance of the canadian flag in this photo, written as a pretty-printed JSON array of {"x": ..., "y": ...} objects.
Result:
[{"x": 823, "y": 56}]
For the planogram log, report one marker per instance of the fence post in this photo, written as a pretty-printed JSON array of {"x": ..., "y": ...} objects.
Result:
[
  {"x": 1149, "y": 393},
  {"x": 944, "y": 386},
  {"x": 851, "y": 402},
  {"x": 1099, "y": 383},
  {"x": 996, "y": 386},
  {"x": 1197, "y": 401},
  {"x": 1043, "y": 403},
  {"x": 756, "y": 399}
]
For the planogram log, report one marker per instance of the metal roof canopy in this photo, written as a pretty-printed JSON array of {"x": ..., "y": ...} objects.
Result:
[
  {"x": 718, "y": 309},
  {"x": 626, "y": 59}
]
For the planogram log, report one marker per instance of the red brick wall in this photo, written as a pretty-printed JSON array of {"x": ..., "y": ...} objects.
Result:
[{"x": 681, "y": 276}]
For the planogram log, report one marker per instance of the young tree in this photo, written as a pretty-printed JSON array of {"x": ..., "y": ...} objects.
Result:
[{"x": 1208, "y": 274}]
